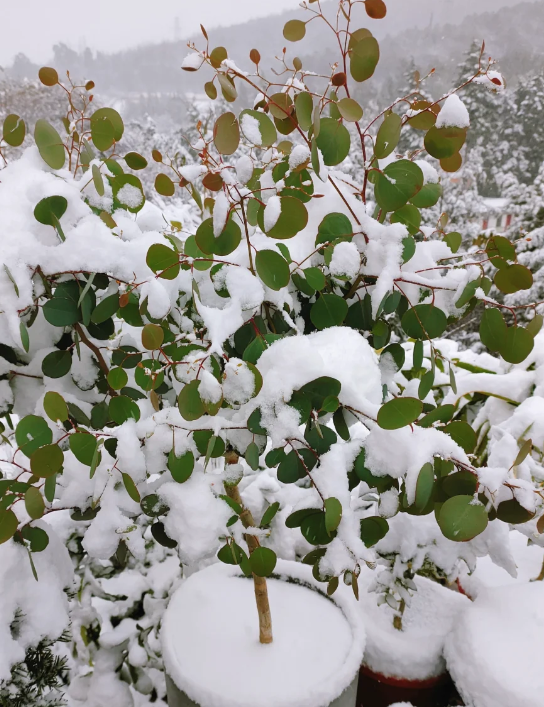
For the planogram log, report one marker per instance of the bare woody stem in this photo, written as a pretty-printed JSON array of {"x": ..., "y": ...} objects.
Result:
[{"x": 261, "y": 588}]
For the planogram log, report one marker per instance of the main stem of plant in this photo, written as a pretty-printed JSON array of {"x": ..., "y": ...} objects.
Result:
[{"x": 259, "y": 583}]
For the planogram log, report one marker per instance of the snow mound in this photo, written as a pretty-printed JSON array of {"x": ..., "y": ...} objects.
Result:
[
  {"x": 494, "y": 650},
  {"x": 416, "y": 652}
]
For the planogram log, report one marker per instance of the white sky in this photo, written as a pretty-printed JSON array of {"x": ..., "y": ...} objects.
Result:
[{"x": 34, "y": 26}]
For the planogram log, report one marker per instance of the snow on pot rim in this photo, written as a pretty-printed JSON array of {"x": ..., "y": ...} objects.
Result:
[
  {"x": 211, "y": 646},
  {"x": 414, "y": 653},
  {"x": 493, "y": 652}
]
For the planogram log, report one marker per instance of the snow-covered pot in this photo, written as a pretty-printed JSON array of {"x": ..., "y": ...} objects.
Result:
[
  {"x": 407, "y": 665},
  {"x": 212, "y": 653},
  {"x": 494, "y": 652}
]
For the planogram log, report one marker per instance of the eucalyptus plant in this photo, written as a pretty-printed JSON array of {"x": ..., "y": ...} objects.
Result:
[{"x": 271, "y": 336}]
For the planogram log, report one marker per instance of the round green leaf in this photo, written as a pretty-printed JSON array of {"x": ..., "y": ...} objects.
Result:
[
  {"x": 461, "y": 518},
  {"x": 263, "y": 561},
  {"x": 83, "y": 446},
  {"x": 34, "y": 503},
  {"x": 513, "y": 512},
  {"x": 293, "y": 218},
  {"x": 8, "y": 525},
  {"x": 226, "y": 243},
  {"x": 273, "y": 269},
  {"x": 226, "y": 134},
  {"x": 333, "y": 141},
  {"x": 105, "y": 309},
  {"x": 333, "y": 513},
  {"x": 49, "y": 144},
  {"x": 122, "y": 408},
  {"x": 513, "y": 278},
  {"x": 500, "y": 247},
  {"x": 37, "y": 538},
  {"x": 373, "y": 529},
  {"x": 409, "y": 216},
  {"x": 397, "y": 184},
  {"x": 159, "y": 533},
  {"x": 304, "y": 107},
  {"x": 181, "y": 467},
  {"x": 46, "y": 461},
  {"x": 424, "y": 487},
  {"x": 31, "y": 433},
  {"x": 162, "y": 259},
  {"x": 452, "y": 239},
  {"x": 388, "y": 136},
  {"x": 131, "y": 488},
  {"x": 314, "y": 529},
  {"x": 14, "y": 130},
  {"x": 57, "y": 364},
  {"x": 152, "y": 506},
  {"x": 164, "y": 185},
  {"x": 350, "y": 110},
  {"x": 55, "y": 406},
  {"x": 252, "y": 121},
  {"x": 428, "y": 196},
  {"x": 49, "y": 210},
  {"x": 152, "y": 337},
  {"x": 252, "y": 456},
  {"x": 294, "y": 30},
  {"x": 424, "y": 320},
  {"x": 117, "y": 378},
  {"x": 135, "y": 161},
  {"x": 443, "y": 143},
  {"x": 462, "y": 433},
  {"x": 190, "y": 404},
  {"x": 113, "y": 117},
  {"x": 399, "y": 412},
  {"x": 315, "y": 278},
  {"x": 149, "y": 375},
  {"x": 61, "y": 312},
  {"x": 102, "y": 133},
  {"x": 516, "y": 345},
  {"x": 365, "y": 55},
  {"x": 334, "y": 226},
  {"x": 329, "y": 310},
  {"x": 493, "y": 329},
  {"x": 281, "y": 107}
]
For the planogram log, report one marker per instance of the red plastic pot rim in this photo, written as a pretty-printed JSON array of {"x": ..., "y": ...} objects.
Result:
[{"x": 427, "y": 684}]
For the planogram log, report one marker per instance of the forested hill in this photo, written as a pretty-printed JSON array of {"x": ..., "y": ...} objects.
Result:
[{"x": 512, "y": 32}]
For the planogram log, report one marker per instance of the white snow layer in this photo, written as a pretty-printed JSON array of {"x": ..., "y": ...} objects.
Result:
[
  {"x": 415, "y": 652},
  {"x": 210, "y": 634},
  {"x": 454, "y": 114},
  {"x": 494, "y": 651}
]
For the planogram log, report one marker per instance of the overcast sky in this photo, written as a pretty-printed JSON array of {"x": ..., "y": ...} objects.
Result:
[{"x": 34, "y": 26}]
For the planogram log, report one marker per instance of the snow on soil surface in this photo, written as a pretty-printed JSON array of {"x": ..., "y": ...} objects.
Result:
[
  {"x": 211, "y": 641},
  {"x": 528, "y": 559},
  {"x": 416, "y": 652},
  {"x": 494, "y": 652}
]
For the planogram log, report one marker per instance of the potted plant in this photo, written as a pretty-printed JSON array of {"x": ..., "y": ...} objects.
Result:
[{"x": 146, "y": 372}]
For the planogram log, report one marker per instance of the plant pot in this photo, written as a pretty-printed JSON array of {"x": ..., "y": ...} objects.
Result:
[
  {"x": 381, "y": 691},
  {"x": 408, "y": 665},
  {"x": 212, "y": 653},
  {"x": 494, "y": 650}
]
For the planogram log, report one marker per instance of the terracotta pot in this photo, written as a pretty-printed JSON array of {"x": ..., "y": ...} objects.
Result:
[{"x": 377, "y": 690}]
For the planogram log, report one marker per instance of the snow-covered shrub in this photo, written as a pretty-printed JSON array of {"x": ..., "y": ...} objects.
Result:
[{"x": 146, "y": 370}]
